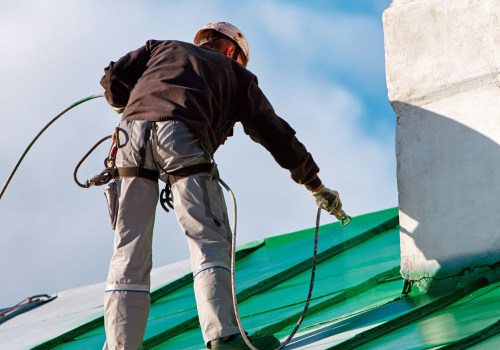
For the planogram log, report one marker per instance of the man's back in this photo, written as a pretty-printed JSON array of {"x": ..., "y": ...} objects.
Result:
[{"x": 166, "y": 80}]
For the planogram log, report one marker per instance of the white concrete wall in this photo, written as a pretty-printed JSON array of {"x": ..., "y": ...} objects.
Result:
[{"x": 443, "y": 77}]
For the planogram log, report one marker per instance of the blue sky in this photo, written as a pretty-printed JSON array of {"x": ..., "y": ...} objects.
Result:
[{"x": 321, "y": 64}]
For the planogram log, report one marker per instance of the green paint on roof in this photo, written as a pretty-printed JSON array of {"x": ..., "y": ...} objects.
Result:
[{"x": 357, "y": 300}]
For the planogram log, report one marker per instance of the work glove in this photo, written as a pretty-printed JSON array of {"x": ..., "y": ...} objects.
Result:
[{"x": 330, "y": 201}]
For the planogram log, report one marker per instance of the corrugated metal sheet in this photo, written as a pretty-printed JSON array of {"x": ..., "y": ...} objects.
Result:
[{"x": 357, "y": 300}]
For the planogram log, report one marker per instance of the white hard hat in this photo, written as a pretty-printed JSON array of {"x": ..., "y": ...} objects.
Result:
[{"x": 205, "y": 35}]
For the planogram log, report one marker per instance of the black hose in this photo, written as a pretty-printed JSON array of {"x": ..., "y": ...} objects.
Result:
[{"x": 233, "y": 282}]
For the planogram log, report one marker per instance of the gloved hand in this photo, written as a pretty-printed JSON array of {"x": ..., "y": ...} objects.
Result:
[{"x": 330, "y": 201}]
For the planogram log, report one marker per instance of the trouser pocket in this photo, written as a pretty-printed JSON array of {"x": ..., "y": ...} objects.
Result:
[{"x": 111, "y": 194}]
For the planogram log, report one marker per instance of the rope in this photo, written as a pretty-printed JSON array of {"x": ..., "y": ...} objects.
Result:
[
  {"x": 233, "y": 279},
  {"x": 110, "y": 171},
  {"x": 105, "y": 176},
  {"x": 40, "y": 133}
]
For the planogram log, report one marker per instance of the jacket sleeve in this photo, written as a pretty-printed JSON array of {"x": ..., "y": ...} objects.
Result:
[
  {"x": 277, "y": 136},
  {"x": 120, "y": 77}
]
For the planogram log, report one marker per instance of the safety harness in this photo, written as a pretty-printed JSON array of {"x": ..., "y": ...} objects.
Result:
[{"x": 111, "y": 171}]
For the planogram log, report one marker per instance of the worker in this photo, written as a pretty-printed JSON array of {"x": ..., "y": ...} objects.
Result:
[{"x": 180, "y": 102}]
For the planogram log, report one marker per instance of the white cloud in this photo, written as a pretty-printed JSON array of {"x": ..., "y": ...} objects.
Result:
[{"x": 338, "y": 40}]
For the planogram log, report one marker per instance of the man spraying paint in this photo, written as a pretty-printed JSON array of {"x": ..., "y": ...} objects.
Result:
[{"x": 180, "y": 102}]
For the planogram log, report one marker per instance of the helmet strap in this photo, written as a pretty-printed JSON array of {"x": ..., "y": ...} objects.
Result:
[{"x": 236, "y": 52}]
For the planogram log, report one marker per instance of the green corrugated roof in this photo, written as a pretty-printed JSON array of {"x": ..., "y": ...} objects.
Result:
[{"x": 357, "y": 300}]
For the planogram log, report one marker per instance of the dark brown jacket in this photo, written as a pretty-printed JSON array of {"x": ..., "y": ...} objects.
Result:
[{"x": 209, "y": 92}]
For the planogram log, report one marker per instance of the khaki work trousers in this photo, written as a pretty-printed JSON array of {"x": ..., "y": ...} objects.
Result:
[{"x": 201, "y": 212}]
